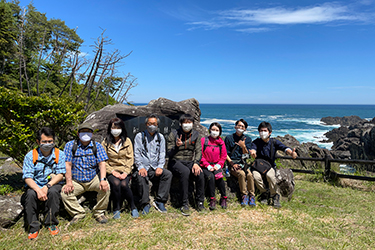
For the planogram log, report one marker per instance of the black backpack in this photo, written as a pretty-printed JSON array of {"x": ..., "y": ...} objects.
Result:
[
  {"x": 94, "y": 149},
  {"x": 205, "y": 145}
]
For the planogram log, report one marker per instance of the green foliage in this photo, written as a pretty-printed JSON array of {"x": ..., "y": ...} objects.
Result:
[
  {"x": 5, "y": 189},
  {"x": 22, "y": 116}
]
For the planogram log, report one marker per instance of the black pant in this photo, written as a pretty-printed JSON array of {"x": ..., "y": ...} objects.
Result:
[
  {"x": 32, "y": 205},
  {"x": 183, "y": 170},
  {"x": 210, "y": 181},
  {"x": 120, "y": 191},
  {"x": 163, "y": 183}
]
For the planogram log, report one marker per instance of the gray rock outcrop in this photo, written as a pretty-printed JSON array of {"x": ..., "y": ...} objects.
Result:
[
  {"x": 161, "y": 107},
  {"x": 343, "y": 121}
]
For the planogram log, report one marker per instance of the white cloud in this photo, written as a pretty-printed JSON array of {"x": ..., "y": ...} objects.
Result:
[
  {"x": 319, "y": 14},
  {"x": 253, "y": 30}
]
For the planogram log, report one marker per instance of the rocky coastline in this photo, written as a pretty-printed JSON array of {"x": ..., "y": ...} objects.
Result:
[{"x": 354, "y": 139}]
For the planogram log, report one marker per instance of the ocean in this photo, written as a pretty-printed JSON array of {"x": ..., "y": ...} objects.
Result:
[{"x": 300, "y": 121}]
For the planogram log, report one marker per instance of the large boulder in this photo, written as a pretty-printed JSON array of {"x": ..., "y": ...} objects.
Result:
[{"x": 161, "y": 107}]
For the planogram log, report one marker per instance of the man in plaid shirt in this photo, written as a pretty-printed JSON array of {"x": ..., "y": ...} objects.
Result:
[{"x": 85, "y": 171}]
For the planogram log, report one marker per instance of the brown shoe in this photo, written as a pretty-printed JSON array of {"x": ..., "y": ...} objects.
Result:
[{"x": 102, "y": 219}]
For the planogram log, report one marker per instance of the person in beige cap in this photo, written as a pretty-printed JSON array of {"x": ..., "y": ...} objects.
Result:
[{"x": 85, "y": 171}]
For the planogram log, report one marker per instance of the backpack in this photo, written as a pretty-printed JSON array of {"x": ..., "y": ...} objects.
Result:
[
  {"x": 75, "y": 147},
  {"x": 36, "y": 155},
  {"x": 205, "y": 145},
  {"x": 285, "y": 181}
]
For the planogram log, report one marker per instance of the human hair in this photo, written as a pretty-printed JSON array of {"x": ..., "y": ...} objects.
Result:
[
  {"x": 266, "y": 125},
  {"x": 186, "y": 117},
  {"x": 243, "y": 121},
  {"x": 118, "y": 123},
  {"x": 216, "y": 124},
  {"x": 45, "y": 131},
  {"x": 152, "y": 116}
]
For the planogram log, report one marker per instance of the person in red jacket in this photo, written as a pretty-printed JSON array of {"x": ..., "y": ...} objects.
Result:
[{"x": 214, "y": 154}]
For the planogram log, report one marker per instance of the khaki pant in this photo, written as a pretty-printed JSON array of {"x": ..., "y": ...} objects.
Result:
[
  {"x": 75, "y": 209},
  {"x": 242, "y": 177},
  {"x": 271, "y": 178}
]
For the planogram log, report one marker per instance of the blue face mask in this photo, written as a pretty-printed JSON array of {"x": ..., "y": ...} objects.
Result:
[
  {"x": 85, "y": 136},
  {"x": 152, "y": 129}
]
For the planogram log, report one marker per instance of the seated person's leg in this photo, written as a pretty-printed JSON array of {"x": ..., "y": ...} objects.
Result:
[
  {"x": 31, "y": 211},
  {"x": 52, "y": 205},
  {"x": 126, "y": 193},
  {"x": 114, "y": 184},
  {"x": 102, "y": 197},
  {"x": 71, "y": 203},
  {"x": 143, "y": 189},
  {"x": 163, "y": 186},
  {"x": 182, "y": 172}
]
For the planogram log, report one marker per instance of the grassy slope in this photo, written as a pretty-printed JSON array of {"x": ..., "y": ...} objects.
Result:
[{"x": 320, "y": 216}]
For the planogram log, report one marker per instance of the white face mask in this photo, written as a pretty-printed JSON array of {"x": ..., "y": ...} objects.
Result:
[
  {"x": 214, "y": 134},
  {"x": 263, "y": 135},
  {"x": 85, "y": 136},
  {"x": 116, "y": 132},
  {"x": 239, "y": 131},
  {"x": 186, "y": 127}
]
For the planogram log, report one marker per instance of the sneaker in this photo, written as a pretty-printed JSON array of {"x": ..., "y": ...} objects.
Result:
[
  {"x": 146, "y": 209},
  {"x": 223, "y": 202},
  {"x": 159, "y": 206},
  {"x": 200, "y": 207},
  {"x": 263, "y": 198},
  {"x": 276, "y": 201},
  {"x": 212, "y": 205},
  {"x": 33, "y": 236},
  {"x": 245, "y": 200},
  {"x": 53, "y": 230},
  {"x": 101, "y": 219},
  {"x": 135, "y": 213},
  {"x": 252, "y": 201},
  {"x": 185, "y": 210},
  {"x": 116, "y": 214}
]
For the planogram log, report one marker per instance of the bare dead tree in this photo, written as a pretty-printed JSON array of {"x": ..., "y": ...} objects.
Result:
[{"x": 39, "y": 62}]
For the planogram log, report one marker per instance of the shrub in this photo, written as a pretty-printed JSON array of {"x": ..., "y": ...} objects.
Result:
[{"x": 22, "y": 116}]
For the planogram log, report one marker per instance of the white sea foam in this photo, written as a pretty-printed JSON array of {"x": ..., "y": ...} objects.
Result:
[{"x": 208, "y": 121}]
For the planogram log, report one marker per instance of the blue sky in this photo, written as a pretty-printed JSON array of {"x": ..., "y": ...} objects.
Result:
[{"x": 220, "y": 51}]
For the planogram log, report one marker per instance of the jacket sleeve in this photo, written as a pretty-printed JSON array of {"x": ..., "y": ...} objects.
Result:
[
  {"x": 162, "y": 152},
  {"x": 204, "y": 162},
  {"x": 198, "y": 150},
  {"x": 223, "y": 155},
  {"x": 130, "y": 154},
  {"x": 138, "y": 147}
]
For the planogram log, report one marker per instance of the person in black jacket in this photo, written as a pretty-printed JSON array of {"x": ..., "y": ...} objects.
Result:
[
  {"x": 184, "y": 152},
  {"x": 265, "y": 148}
]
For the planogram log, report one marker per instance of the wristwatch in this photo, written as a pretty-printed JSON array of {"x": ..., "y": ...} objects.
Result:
[
  {"x": 103, "y": 179},
  {"x": 48, "y": 185}
]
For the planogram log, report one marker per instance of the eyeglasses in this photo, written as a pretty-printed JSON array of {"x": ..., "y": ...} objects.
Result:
[
  {"x": 149, "y": 124},
  {"x": 49, "y": 141}
]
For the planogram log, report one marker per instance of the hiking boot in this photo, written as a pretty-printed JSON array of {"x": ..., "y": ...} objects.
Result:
[
  {"x": 33, "y": 236},
  {"x": 276, "y": 201},
  {"x": 263, "y": 198},
  {"x": 53, "y": 230},
  {"x": 135, "y": 213},
  {"x": 245, "y": 200},
  {"x": 212, "y": 205},
  {"x": 116, "y": 214},
  {"x": 223, "y": 202},
  {"x": 185, "y": 210},
  {"x": 146, "y": 209},
  {"x": 101, "y": 219},
  {"x": 252, "y": 201},
  {"x": 200, "y": 207},
  {"x": 159, "y": 206}
]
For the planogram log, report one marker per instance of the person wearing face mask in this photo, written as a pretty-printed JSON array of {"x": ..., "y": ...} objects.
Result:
[
  {"x": 265, "y": 148},
  {"x": 43, "y": 170},
  {"x": 85, "y": 171},
  {"x": 184, "y": 152},
  {"x": 119, "y": 166},
  {"x": 149, "y": 156},
  {"x": 214, "y": 155},
  {"x": 238, "y": 145}
]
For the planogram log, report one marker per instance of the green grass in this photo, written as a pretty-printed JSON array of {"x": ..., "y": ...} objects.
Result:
[{"x": 319, "y": 216}]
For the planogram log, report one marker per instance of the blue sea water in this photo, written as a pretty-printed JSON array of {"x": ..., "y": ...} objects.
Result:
[{"x": 300, "y": 121}]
